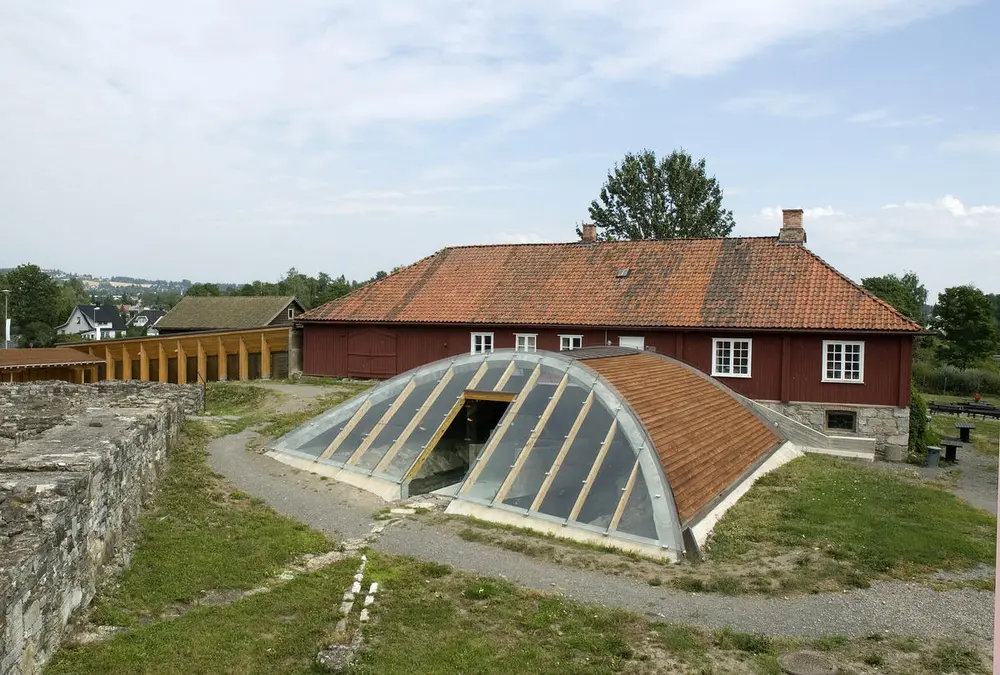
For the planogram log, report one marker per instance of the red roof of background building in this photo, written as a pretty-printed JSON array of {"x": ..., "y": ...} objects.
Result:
[{"x": 685, "y": 283}]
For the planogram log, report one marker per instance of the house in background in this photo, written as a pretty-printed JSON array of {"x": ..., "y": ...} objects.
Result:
[
  {"x": 146, "y": 318},
  {"x": 763, "y": 315},
  {"x": 93, "y": 322},
  {"x": 197, "y": 313}
]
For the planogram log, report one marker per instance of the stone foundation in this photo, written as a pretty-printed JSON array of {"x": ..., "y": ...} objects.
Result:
[
  {"x": 76, "y": 464},
  {"x": 888, "y": 425}
]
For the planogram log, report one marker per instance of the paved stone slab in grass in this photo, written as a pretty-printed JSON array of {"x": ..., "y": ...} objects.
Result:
[
  {"x": 806, "y": 663},
  {"x": 403, "y": 512}
]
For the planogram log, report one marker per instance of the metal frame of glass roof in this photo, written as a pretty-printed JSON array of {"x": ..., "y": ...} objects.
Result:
[{"x": 569, "y": 455}]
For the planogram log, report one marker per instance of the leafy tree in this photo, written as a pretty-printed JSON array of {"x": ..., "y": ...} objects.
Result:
[
  {"x": 966, "y": 320},
  {"x": 71, "y": 294},
  {"x": 905, "y": 293},
  {"x": 136, "y": 331},
  {"x": 995, "y": 299},
  {"x": 34, "y": 304},
  {"x": 204, "y": 290},
  {"x": 644, "y": 198}
]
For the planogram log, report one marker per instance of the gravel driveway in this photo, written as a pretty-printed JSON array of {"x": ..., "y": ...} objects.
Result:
[{"x": 346, "y": 513}]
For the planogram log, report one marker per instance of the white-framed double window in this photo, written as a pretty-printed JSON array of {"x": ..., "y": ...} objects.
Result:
[
  {"x": 482, "y": 343},
  {"x": 843, "y": 361},
  {"x": 525, "y": 342},
  {"x": 569, "y": 342},
  {"x": 731, "y": 357}
]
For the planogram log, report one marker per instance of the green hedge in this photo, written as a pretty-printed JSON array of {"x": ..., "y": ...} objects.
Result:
[
  {"x": 950, "y": 380},
  {"x": 918, "y": 422}
]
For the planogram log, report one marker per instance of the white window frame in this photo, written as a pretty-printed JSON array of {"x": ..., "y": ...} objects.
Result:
[
  {"x": 526, "y": 337},
  {"x": 291, "y": 312},
  {"x": 569, "y": 338},
  {"x": 842, "y": 379},
  {"x": 715, "y": 357},
  {"x": 484, "y": 350}
]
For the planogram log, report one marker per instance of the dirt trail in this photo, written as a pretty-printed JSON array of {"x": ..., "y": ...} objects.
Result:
[{"x": 347, "y": 514}]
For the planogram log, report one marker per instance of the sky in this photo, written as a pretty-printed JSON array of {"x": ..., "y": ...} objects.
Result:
[{"x": 231, "y": 141}]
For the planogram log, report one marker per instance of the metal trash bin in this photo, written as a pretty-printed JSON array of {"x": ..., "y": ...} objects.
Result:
[{"x": 933, "y": 455}]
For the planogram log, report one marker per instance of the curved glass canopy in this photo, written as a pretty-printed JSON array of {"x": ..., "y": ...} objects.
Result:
[{"x": 537, "y": 434}]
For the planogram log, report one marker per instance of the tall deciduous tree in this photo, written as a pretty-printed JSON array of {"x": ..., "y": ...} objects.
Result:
[
  {"x": 905, "y": 293},
  {"x": 968, "y": 326},
  {"x": 71, "y": 294},
  {"x": 646, "y": 198},
  {"x": 34, "y": 304},
  {"x": 203, "y": 290}
]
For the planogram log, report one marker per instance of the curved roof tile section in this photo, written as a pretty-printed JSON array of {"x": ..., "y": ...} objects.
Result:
[
  {"x": 683, "y": 283},
  {"x": 706, "y": 438}
]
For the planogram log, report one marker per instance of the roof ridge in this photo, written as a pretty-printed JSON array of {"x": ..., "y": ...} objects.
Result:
[
  {"x": 601, "y": 243},
  {"x": 864, "y": 290}
]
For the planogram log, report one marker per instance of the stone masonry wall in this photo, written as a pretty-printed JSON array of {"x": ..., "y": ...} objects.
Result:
[
  {"x": 76, "y": 464},
  {"x": 888, "y": 425}
]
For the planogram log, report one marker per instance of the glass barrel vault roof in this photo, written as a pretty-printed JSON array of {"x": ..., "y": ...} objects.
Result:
[{"x": 568, "y": 450}]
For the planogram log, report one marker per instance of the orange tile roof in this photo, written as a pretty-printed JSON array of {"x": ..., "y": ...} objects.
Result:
[
  {"x": 55, "y": 356},
  {"x": 705, "y": 437},
  {"x": 686, "y": 283}
]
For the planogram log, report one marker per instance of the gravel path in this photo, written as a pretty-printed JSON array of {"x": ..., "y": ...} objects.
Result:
[{"x": 346, "y": 513}]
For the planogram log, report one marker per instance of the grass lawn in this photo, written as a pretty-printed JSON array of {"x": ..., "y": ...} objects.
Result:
[
  {"x": 201, "y": 535},
  {"x": 877, "y": 523},
  {"x": 815, "y": 525}
]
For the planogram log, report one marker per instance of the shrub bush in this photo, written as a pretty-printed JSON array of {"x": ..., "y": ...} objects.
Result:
[
  {"x": 918, "y": 422},
  {"x": 956, "y": 381}
]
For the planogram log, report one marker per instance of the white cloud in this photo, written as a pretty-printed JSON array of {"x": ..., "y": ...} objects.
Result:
[
  {"x": 943, "y": 240},
  {"x": 209, "y": 120},
  {"x": 773, "y": 213},
  {"x": 883, "y": 118},
  {"x": 519, "y": 238},
  {"x": 780, "y": 104},
  {"x": 983, "y": 142}
]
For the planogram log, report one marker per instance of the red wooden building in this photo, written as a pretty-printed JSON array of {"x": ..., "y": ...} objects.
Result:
[{"x": 764, "y": 315}]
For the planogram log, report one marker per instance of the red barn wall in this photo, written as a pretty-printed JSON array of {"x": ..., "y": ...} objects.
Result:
[{"x": 784, "y": 366}]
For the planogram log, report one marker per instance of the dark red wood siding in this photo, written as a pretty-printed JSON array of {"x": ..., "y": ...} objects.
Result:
[{"x": 784, "y": 366}]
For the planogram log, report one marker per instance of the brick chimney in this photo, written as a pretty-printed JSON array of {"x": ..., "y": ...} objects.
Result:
[
  {"x": 588, "y": 233},
  {"x": 791, "y": 231}
]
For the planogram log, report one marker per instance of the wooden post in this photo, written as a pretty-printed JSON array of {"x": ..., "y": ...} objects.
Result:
[
  {"x": 161, "y": 364},
  {"x": 78, "y": 375},
  {"x": 126, "y": 363},
  {"x": 202, "y": 363},
  {"x": 143, "y": 362},
  {"x": 265, "y": 358},
  {"x": 93, "y": 373},
  {"x": 244, "y": 361},
  {"x": 182, "y": 364},
  {"x": 222, "y": 365},
  {"x": 109, "y": 364}
]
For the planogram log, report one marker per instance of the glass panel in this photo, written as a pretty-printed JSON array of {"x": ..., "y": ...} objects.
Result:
[
  {"x": 399, "y": 420},
  {"x": 550, "y": 440},
  {"x": 493, "y": 373},
  {"x": 609, "y": 485},
  {"x": 318, "y": 443},
  {"x": 637, "y": 518},
  {"x": 520, "y": 428},
  {"x": 435, "y": 415},
  {"x": 362, "y": 429},
  {"x": 566, "y": 486}
]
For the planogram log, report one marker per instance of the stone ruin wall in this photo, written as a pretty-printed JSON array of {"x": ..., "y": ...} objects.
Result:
[{"x": 77, "y": 463}]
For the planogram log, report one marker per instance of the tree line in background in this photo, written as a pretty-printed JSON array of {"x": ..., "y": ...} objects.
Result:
[
  {"x": 38, "y": 304},
  {"x": 960, "y": 356}
]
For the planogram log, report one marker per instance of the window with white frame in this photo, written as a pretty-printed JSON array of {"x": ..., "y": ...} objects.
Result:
[
  {"x": 525, "y": 342},
  {"x": 843, "y": 361},
  {"x": 568, "y": 342},
  {"x": 731, "y": 357},
  {"x": 482, "y": 343},
  {"x": 291, "y": 312}
]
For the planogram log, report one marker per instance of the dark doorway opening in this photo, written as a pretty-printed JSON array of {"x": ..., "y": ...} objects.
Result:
[{"x": 459, "y": 446}]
